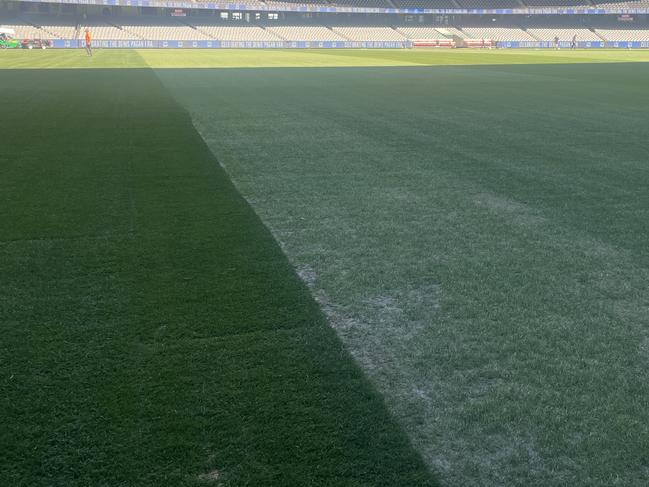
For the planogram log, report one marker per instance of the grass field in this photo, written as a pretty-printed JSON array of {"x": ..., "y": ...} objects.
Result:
[
  {"x": 278, "y": 58},
  {"x": 475, "y": 235}
]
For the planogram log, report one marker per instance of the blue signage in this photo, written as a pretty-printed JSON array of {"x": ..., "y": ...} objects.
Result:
[{"x": 341, "y": 9}]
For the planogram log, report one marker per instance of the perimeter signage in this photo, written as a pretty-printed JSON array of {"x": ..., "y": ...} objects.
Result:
[{"x": 317, "y": 8}]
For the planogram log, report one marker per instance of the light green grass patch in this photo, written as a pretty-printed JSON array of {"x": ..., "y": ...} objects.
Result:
[{"x": 240, "y": 58}]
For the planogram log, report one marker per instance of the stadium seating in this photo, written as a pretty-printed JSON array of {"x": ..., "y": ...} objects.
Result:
[
  {"x": 452, "y": 31},
  {"x": 161, "y": 29},
  {"x": 558, "y": 3},
  {"x": 617, "y": 35},
  {"x": 43, "y": 27},
  {"x": 489, "y": 4},
  {"x": 425, "y": 4},
  {"x": 363, "y": 3},
  {"x": 26, "y": 31},
  {"x": 422, "y": 33},
  {"x": 340, "y": 3},
  {"x": 194, "y": 28},
  {"x": 633, "y": 4},
  {"x": 251, "y": 3},
  {"x": 294, "y": 5},
  {"x": 498, "y": 33},
  {"x": 61, "y": 30},
  {"x": 299, "y": 2},
  {"x": 369, "y": 33},
  {"x": 563, "y": 34},
  {"x": 305, "y": 33},
  {"x": 104, "y": 31},
  {"x": 235, "y": 32}
]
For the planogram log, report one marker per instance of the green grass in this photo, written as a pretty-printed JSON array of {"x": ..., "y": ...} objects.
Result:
[
  {"x": 475, "y": 234},
  {"x": 478, "y": 238},
  {"x": 233, "y": 58},
  {"x": 152, "y": 330}
]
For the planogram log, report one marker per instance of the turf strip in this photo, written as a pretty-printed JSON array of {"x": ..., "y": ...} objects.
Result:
[{"x": 305, "y": 58}]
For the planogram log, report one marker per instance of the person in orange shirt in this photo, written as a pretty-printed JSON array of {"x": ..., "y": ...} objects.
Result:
[{"x": 88, "y": 42}]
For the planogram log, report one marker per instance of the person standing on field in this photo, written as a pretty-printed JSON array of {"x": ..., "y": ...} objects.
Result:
[{"x": 88, "y": 42}]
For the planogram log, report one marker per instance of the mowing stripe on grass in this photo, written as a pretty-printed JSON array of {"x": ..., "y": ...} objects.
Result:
[
  {"x": 152, "y": 331},
  {"x": 477, "y": 236},
  {"x": 281, "y": 58}
]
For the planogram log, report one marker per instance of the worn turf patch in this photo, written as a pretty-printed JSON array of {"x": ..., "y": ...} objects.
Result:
[{"x": 152, "y": 331}]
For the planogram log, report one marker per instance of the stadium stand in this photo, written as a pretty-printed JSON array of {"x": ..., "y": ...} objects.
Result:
[
  {"x": 364, "y": 3},
  {"x": 252, "y": 3},
  {"x": 161, "y": 29},
  {"x": 298, "y": 2},
  {"x": 636, "y": 4},
  {"x": 207, "y": 29},
  {"x": 489, "y": 4},
  {"x": 558, "y": 3},
  {"x": 104, "y": 31},
  {"x": 68, "y": 22},
  {"x": 60, "y": 30},
  {"x": 423, "y": 33},
  {"x": 425, "y": 4},
  {"x": 43, "y": 27},
  {"x": 498, "y": 33},
  {"x": 338, "y": 3},
  {"x": 272, "y": 4},
  {"x": 621, "y": 35},
  {"x": 369, "y": 33},
  {"x": 305, "y": 33},
  {"x": 452, "y": 31},
  {"x": 563, "y": 34},
  {"x": 27, "y": 31},
  {"x": 234, "y": 32}
]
